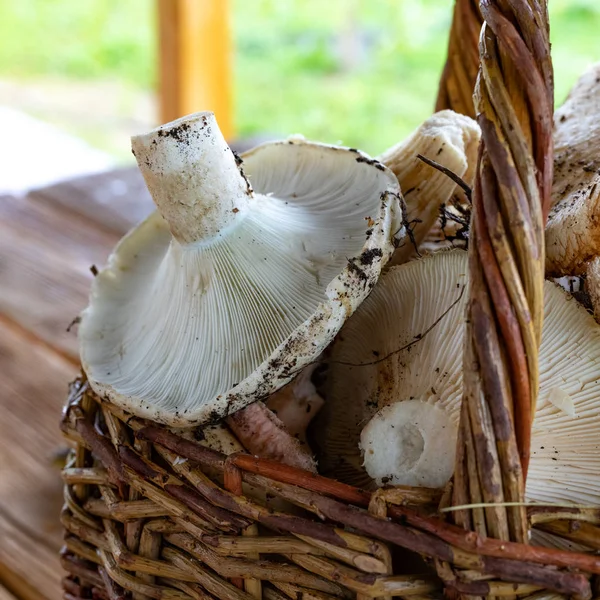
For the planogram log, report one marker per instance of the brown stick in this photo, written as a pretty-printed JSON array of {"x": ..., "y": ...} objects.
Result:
[
  {"x": 414, "y": 531},
  {"x": 115, "y": 592},
  {"x": 232, "y": 480},
  {"x": 446, "y": 532},
  {"x": 507, "y": 321},
  {"x": 471, "y": 542},
  {"x": 215, "y": 497},
  {"x": 151, "y": 472},
  {"x": 303, "y": 479},
  {"x": 182, "y": 447},
  {"x": 260, "y": 466}
]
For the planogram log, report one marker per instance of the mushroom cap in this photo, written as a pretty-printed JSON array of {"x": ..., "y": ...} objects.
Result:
[
  {"x": 388, "y": 353},
  {"x": 448, "y": 138},
  {"x": 223, "y": 300},
  {"x": 573, "y": 130},
  {"x": 407, "y": 306},
  {"x": 593, "y": 285},
  {"x": 573, "y": 229}
]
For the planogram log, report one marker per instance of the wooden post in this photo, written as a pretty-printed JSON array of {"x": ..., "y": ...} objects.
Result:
[{"x": 195, "y": 65}]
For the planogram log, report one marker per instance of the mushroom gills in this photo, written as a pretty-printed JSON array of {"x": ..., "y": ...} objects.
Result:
[
  {"x": 398, "y": 360},
  {"x": 390, "y": 351},
  {"x": 243, "y": 278}
]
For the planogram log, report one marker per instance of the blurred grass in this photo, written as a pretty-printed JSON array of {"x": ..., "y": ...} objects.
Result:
[{"x": 360, "y": 72}]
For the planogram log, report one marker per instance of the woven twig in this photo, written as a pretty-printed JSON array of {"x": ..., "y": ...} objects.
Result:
[
  {"x": 188, "y": 527},
  {"x": 462, "y": 63},
  {"x": 510, "y": 203}
]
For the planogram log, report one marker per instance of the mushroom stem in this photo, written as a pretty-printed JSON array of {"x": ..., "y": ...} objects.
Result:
[
  {"x": 263, "y": 434},
  {"x": 193, "y": 176}
]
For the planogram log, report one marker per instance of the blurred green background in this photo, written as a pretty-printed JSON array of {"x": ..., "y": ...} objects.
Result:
[{"x": 360, "y": 72}]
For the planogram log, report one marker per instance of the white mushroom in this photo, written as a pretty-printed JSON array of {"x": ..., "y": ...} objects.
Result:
[
  {"x": 218, "y": 437},
  {"x": 421, "y": 457},
  {"x": 593, "y": 285},
  {"x": 297, "y": 403},
  {"x": 573, "y": 229},
  {"x": 574, "y": 130},
  {"x": 258, "y": 431},
  {"x": 277, "y": 428},
  {"x": 228, "y": 294},
  {"x": 391, "y": 353},
  {"x": 402, "y": 405},
  {"x": 449, "y": 139}
]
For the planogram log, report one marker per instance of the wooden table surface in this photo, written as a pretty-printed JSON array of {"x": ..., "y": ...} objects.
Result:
[{"x": 48, "y": 241}]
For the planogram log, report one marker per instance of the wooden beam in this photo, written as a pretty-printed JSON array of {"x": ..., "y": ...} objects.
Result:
[{"x": 195, "y": 60}]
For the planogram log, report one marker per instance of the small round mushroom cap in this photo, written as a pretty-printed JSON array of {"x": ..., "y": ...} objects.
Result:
[
  {"x": 416, "y": 436},
  {"x": 408, "y": 337},
  {"x": 225, "y": 293}
]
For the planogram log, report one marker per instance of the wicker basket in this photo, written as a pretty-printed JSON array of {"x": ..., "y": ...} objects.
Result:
[{"x": 150, "y": 512}]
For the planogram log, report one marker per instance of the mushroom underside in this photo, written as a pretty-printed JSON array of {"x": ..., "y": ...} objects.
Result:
[
  {"x": 186, "y": 332},
  {"x": 394, "y": 387}
]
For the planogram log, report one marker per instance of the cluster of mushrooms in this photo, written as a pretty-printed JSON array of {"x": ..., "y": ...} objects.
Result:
[{"x": 306, "y": 303}]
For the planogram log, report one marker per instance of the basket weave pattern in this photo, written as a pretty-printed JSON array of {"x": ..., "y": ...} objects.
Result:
[
  {"x": 157, "y": 514},
  {"x": 151, "y": 512}
]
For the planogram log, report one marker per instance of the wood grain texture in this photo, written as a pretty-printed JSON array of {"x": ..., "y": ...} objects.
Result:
[
  {"x": 115, "y": 201},
  {"x": 45, "y": 259},
  {"x": 33, "y": 385},
  {"x": 48, "y": 241},
  {"x": 28, "y": 567}
]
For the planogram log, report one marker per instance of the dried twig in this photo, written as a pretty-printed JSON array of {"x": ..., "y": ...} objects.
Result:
[{"x": 451, "y": 174}]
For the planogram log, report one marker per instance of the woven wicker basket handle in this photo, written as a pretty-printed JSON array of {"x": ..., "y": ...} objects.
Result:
[
  {"x": 462, "y": 63},
  {"x": 514, "y": 106}
]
